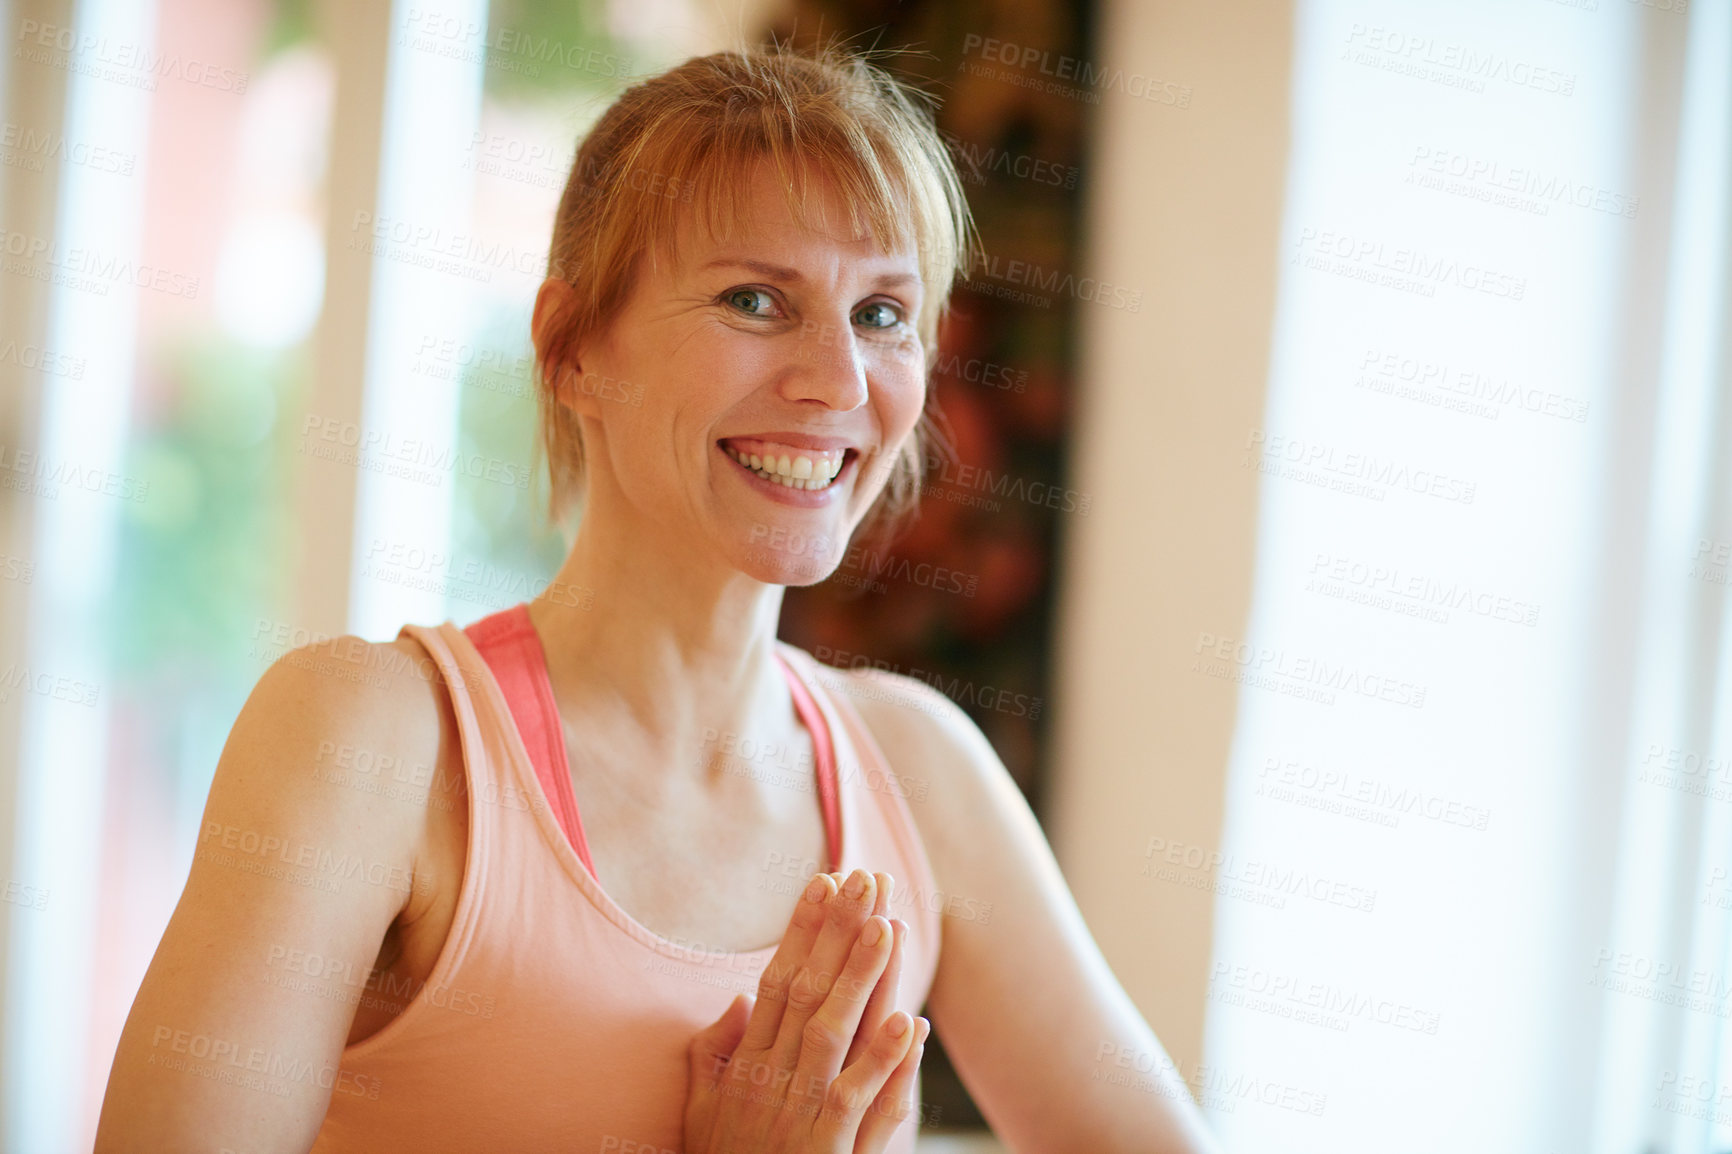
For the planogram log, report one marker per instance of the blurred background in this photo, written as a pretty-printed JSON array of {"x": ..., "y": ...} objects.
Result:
[{"x": 1334, "y": 546}]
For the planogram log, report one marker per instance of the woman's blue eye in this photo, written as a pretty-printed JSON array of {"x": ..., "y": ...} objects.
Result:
[
  {"x": 878, "y": 315},
  {"x": 754, "y": 301}
]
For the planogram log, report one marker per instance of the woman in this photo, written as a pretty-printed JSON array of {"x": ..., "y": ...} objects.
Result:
[{"x": 398, "y": 931}]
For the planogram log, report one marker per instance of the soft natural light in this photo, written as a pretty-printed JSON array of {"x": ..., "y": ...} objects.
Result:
[
  {"x": 270, "y": 282},
  {"x": 1659, "y": 1045},
  {"x": 270, "y": 278},
  {"x": 407, "y": 446},
  {"x": 1394, "y": 901},
  {"x": 65, "y": 747}
]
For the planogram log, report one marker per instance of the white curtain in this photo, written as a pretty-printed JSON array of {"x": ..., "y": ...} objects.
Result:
[{"x": 1474, "y": 876}]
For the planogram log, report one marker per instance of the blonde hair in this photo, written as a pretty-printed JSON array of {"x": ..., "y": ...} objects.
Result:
[{"x": 690, "y": 137}]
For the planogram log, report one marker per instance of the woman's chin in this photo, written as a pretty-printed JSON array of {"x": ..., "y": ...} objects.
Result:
[
  {"x": 773, "y": 568},
  {"x": 779, "y": 555}
]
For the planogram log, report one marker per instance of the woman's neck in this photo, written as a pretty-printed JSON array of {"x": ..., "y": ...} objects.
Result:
[{"x": 657, "y": 655}]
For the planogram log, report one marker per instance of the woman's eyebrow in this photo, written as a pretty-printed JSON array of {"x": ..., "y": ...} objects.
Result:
[
  {"x": 762, "y": 267},
  {"x": 777, "y": 272}
]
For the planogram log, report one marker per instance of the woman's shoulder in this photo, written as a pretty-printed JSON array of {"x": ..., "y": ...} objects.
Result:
[
  {"x": 346, "y": 729},
  {"x": 355, "y": 687},
  {"x": 902, "y": 707},
  {"x": 923, "y": 734},
  {"x": 953, "y": 780}
]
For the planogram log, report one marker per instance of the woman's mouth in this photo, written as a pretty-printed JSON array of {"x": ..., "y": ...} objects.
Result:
[{"x": 810, "y": 470}]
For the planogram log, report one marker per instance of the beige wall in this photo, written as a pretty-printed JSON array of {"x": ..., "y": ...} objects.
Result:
[
  {"x": 357, "y": 36},
  {"x": 1185, "y": 205}
]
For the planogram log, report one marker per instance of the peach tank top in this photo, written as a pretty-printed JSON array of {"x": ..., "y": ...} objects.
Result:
[{"x": 553, "y": 1020}]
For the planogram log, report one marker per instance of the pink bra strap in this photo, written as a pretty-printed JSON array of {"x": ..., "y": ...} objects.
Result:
[
  {"x": 507, "y": 641},
  {"x": 509, "y": 644},
  {"x": 824, "y": 748}
]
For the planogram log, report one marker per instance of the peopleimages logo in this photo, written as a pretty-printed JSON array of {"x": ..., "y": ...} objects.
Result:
[
  {"x": 410, "y": 458},
  {"x": 1412, "y": 594},
  {"x": 1090, "y": 78},
  {"x": 959, "y": 690},
  {"x": 1537, "y": 187},
  {"x": 134, "y": 65},
  {"x": 1013, "y": 276},
  {"x": 1216, "y": 1089},
  {"x": 87, "y": 269},
  {"x": 32, "y": 149},
  {"x": 33, "y": 474},
  {"x": 961, "y": 477},
  {"x": 975, "y": 161},
  {"x": 1398, "y": 266},
  {"x": 1263, "y": 882},
  {"x": 1291, "y": 992},
  {"x": 1273, "y": 667},
  {"x": 1452, "y": 63},
  {"x": 1353, "y": 473},
  {"x": 281, "y": 1069},
  {"x": 1353, "y": 795},
  {"x": 1474, "y": 391}
]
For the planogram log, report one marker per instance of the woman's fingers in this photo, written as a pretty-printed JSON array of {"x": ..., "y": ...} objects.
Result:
[
  {"x": 844, "y": 915},
  {"x": 827, "y": 1034},
  {"x": 852, "y": 1093},
  {"x": 808, "y": 919},
  {"x": 886, "y": 888},
  {"x": 884, "y": 994},
  {"x": 823, "y": 1050},
  {"x": 708, "y": 1054},
  {"x": 895, "y": 1102},
  {"x": 712, "y": 1046}
]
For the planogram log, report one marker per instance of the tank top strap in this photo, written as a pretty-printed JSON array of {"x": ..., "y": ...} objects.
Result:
[
  {"x": 507, "y": 641},
  {"x": 877, "y": 798},
  {"x": 824, "y": 753},
  {"x": 486, "y": 756},
  {"x": 509, "y": 644}
]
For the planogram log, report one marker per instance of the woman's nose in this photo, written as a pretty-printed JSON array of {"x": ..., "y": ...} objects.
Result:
[{"x": 827, "y": 366}]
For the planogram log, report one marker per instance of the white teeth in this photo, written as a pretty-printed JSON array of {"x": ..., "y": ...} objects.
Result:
[{"x": 799, "y": 472}]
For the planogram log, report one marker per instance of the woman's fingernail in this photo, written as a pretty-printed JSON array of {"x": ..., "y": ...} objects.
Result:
[
  {"x": 898, "y": 1024},
  {"x": 873, "y": 932},
  {"x": 856, "y": 884},
  {"x": 814, "y": 890}
]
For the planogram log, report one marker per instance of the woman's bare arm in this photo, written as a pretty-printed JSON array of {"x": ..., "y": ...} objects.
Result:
[
  {"x": 1025, "y": 1004},
  {"x": 224, "y": 1048}
]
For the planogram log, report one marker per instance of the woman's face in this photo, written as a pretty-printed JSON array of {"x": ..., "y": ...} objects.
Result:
[{"x": 781, "y": 372}]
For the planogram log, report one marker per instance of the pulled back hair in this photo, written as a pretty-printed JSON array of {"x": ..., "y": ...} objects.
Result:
[{"x": 682, "y": 145}]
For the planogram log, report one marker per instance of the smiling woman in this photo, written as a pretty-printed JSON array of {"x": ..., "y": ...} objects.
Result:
[
  {"x": 758, "y": 246},
  {"x": 851, "y": 154}
]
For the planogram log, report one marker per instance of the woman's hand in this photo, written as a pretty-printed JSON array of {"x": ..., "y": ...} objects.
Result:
[{"x": 818, "y": 1064}]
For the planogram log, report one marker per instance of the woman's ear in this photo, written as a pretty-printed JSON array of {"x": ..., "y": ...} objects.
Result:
[
  {"x": 549, "y": 326},
  {"x": 554, "y": 301}
]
